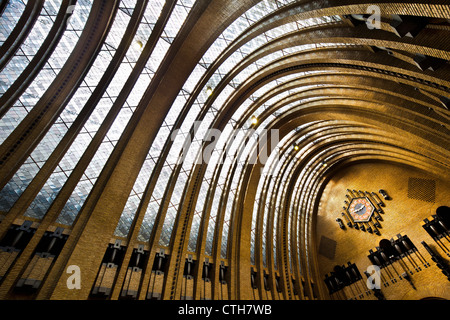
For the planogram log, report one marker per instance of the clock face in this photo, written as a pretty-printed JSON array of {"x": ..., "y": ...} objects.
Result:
[{"x": 361, "y": 209}]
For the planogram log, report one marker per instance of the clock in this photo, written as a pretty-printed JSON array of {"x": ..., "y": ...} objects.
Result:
[{"x": 361, "y": 209}]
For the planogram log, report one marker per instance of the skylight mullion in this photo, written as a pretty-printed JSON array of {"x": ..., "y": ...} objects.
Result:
[{"x": 11, "y": 15}]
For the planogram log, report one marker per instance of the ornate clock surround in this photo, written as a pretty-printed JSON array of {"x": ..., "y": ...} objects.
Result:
[{"x": 362, "y": 211}]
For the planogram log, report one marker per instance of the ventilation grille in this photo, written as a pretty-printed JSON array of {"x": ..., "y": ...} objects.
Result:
[
  {"x": 422, "y": 189},
  {"x": 327, "y": 247}
]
